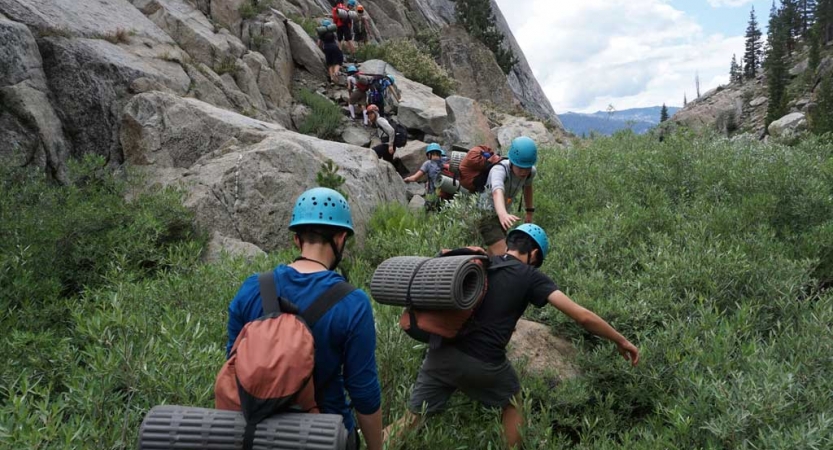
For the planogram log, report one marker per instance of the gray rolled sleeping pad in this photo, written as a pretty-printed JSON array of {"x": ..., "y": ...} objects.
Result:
[{"x": 171, "y": 427}]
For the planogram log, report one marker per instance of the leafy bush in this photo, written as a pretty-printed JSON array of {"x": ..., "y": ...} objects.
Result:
[
  {"x": 252, "y": 8},
  {"x": 413, "y": 61},
  {"x": 714, "y": 256},
  {"x": 60, "y": 240},
  {"x": 309, "y": 25},
  {"x": 324, "y": 118}
]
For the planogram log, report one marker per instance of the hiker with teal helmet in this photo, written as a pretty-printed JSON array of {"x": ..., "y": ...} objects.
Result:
[
  {"x": 432, "y": 169},
  {"x": 328, "y": 43},
  {"x": 475, "y": 362},
  {"x": 379, "y": 90},
  {"x": 506, "y": 180},
  {"x": 345, "y": 336}
]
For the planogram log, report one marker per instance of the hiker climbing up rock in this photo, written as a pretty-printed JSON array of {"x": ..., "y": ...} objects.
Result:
[
  {"x": 505, "y": 181},
  {"x": 358, "y": 92},
  {"x": 361, "y": 25},
  {"x": 344, "y": 333},
  {"x": 474, "y": 361},
  {"x": 392, "y": 134},
  {"x": 432, "y": 171},
  {"x": 379, "y": 90},
  {"x": 332, "y": 52},
  {"x": 341, "y": 17}
]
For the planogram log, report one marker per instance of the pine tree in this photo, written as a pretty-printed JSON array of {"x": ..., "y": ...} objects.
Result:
[
  {"x": 821, "y": 118},
  {"x": 791, "y": 21},
  {"x": 663, "y": 114},
  {"x": 697, "y": 83},
  {"x": 814, "y": 57},
  {"x": 733, "y": 69},
  {"x": 824, "y": 17},
  {"x": 477, "y": 17},
  {"x": 777, "y": 71},
  {"x": 807, "y": 11},
  {"x": 685, "y": 100},
  {"x": 753, "y": 53}
]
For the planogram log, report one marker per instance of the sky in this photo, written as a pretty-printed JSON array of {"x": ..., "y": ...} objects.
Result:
[{"x": 589, "y": 54}]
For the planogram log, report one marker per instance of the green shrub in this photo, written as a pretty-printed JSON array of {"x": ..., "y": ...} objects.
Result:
[
  {"x": 413, "y": 61},
  {"x": 309, "y": 25},
  {"x": 252, "y": 8},
  {"x": 324, "y": 117}
]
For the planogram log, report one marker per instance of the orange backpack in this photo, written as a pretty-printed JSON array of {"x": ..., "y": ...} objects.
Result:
[
  {"x": 270, "y": 368},
  {"x": 475, "y": 166}
]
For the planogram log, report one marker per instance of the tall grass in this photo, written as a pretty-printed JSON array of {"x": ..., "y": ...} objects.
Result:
[{"x": 713, "y": 256}]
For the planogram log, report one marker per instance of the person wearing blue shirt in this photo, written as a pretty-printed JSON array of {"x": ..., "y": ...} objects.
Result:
[{"x": 345, "y": 337}]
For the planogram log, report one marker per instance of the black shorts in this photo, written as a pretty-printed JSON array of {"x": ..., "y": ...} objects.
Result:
[
  {"x": 447, "y": 369},
  {"x": 345, "y": 33},
  {"x": 360, "y": 36},
  {"x": 333, "y": 55}
]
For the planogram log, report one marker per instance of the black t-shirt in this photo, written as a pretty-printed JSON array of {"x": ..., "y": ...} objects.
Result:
[
  {"x": 511, "y": 289},
  {"x": 329, "y": 38}
]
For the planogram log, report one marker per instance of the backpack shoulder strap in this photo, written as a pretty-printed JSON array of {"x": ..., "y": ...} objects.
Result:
[
  {"x": 268, "y": 294},
  {"x": 325, "y": 302}
]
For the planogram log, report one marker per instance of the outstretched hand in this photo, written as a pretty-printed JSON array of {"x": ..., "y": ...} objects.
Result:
[
  {"x": 507, "y": 220},
  {"x": 629, "y": 352}
]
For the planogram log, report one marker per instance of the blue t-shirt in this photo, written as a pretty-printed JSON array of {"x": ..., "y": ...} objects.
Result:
[{"x": 345, "y": 338}]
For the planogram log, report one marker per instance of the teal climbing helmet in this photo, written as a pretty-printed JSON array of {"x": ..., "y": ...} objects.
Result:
[
  {"x": 321, "y": 206},
  {"x": 392, "y": 79},
  {"x": 326, "y": 23},
  {"x": 352, "y": 69},
  {"x": 351, "y": 3},
  {"x": 538, "y": 235},
  {"x": 523, "y": 152},
  {"x": 434, "y": 147}
]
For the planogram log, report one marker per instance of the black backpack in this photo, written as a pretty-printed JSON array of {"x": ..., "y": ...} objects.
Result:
[{"x": 400, "y": 137}]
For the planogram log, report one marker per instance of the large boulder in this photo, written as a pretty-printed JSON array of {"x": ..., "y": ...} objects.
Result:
[
  {"x": 222, "y": 245},
  {"x": 412, "y": 155},
  {"x": 788, "y": 125},
  {"x": 474, "y": 68},
  {"x": 89, "y": 80},
  {"x": 390, "y": 18},
  {"x": 534, "y": 348},
  {"x": 191, "y": 30},
  {"x": 227, "y": 14},
  {"x": 468, "y": 126},
  {"x": 304, "y": 50},
  {"x": 241, "y": 175},
  {"x": 30, "y": 122},
  {"x": 513, "y": 127},
  {"x": 719, "y": 109},
  {"x": 271, "y": 40}
]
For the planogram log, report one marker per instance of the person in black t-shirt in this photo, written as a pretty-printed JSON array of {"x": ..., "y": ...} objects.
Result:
[{"x": 475, "y": 363}]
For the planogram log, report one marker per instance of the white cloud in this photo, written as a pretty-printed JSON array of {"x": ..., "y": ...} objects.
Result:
[
  {"x": 729, "y": 3},
  {"x": 629, "y": 53}
]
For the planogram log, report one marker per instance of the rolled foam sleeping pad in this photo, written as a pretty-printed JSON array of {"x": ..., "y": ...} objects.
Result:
[
  {"x": 451, "y": 186},
  {"x": 456, "y": 159},
  {"x": 171, "y": 427},
  {"x": 449, "y": 282}
]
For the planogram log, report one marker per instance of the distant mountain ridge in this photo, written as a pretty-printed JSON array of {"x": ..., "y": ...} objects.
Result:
[{"x": 640, "y": 120}]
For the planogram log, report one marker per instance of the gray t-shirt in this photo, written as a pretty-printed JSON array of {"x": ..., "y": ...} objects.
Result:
[
  {"x": 432, "y": 168},
  {"x": 385, "y": 127},
  {"x": 501, "y": 177}
]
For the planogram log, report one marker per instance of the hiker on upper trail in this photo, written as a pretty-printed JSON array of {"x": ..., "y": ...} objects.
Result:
[
  {"x": 332, "y": 52},
  {"x": 433, "y": 170},
  {"x": 475, "y": 362},
  {"x": 358, "y": 92},
  {"x": 506, "y": 180},
  {"x": 393, "y": 135},
  {"x": 345, "y": 336},
  {"x": 341, "y": 17},
  {"x": 361, "y": 25}
]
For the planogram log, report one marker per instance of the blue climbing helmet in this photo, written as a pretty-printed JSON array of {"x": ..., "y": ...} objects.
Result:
[
  {"x": 538, "y": 235},
  {"x": 434, "y": 147},
  {"x": 351, "y": 3},
  {"x": 392, "y": 79},
  {"x": 523, "y": 152},
  {"x": 322, "y": 206},
  {"x": 352, "y": 69},
  {"x": 325, "y": 23}
]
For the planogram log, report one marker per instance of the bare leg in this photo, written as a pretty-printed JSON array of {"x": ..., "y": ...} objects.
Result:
[
  {"x": 512, "y": 420},
  {"x": 497, "y": 249},
  {"x": 393, "y": 433}
]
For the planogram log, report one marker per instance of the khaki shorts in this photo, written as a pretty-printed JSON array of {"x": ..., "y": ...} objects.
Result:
[
  {"x": 447, "y": 369},
  {"x": 490, "y": 229},
  {"x": 358, "y": 97}
]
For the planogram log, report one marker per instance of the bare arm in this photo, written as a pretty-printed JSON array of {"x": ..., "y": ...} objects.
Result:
[
  {"x": 371, "y": 426},
  {"x": 506, "y": 219},
  {"x": 594, "y": 324},
  {"x": 419, "y": 174},
  {"x": 528, "y": 202}
]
